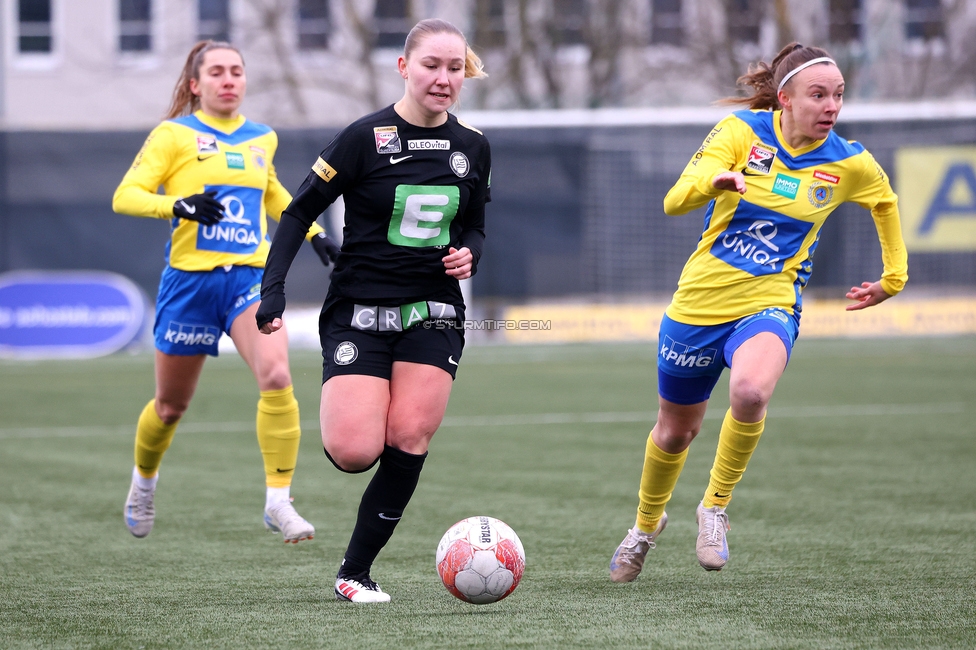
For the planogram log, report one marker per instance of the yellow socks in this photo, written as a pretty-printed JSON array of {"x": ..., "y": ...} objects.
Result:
[
  {"x": 660, "y": 475},
  {"x": 278, "y": 428},
  {"x": 736, "y": 442},
  {"x": 153, "y": 437},
  {"x": 279, "y": 432}
]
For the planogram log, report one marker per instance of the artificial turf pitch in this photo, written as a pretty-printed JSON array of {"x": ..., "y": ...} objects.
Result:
[{"x": 853, "y": 527}]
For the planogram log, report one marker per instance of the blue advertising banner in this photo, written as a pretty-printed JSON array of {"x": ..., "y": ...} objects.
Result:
[{"x": 72, "y": 314}]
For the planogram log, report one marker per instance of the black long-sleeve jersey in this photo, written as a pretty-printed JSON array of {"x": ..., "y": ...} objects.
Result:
[{"x": 410, "y": 194}]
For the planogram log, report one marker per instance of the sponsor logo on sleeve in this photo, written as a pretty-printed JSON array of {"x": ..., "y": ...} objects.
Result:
[
  {"x": 468, "y": 126},
  {"x": 459, "y": 164},
  {"x": 824, "y": 176},
  {"x": 324, "y": 170},
  {"x": 234, "y": 160},
  {"x": 142, "y": 151},
  {"x": 701, "y": 150},
  {"x": 786, "y": 186},
  {"x": 428, "y": 145},
  {"x": 387, "y": 139},
  {"x": 820, "y": 194},
  {"x": 207, "y": 144},
  {"x": 761, "y": 157}
]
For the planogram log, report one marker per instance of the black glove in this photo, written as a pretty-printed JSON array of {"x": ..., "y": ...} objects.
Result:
[
  {"x": 327, "y": 249},
  {"x": 272, "y": 306},
  {"x": 203, "y": 208}
]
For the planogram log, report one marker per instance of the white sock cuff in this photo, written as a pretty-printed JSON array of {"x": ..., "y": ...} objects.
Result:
[
  {"x": 277, "y": 495},
  {"x": 143, "y": 482}
]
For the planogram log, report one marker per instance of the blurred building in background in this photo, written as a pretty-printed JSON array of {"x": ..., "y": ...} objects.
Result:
[
  {"x": 111, "y": 64},
  {"x": 592, "y": 108}
]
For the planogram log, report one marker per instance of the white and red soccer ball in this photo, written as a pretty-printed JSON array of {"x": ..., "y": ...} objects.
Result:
[{"x": 480, "y": 560}]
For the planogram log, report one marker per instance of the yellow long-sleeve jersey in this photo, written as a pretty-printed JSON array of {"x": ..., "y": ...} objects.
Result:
[
  {"x": 756, "y": 250},
  {"x": 199, "y": 153}
]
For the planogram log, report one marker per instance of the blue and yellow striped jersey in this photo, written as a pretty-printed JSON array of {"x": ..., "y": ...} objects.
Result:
[
  {"x": 199, "y": 153},
  {"x": 756, "y": 250}
]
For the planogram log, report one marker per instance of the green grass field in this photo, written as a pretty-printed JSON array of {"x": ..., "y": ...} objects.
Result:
[{"x": 853, "y": 528}]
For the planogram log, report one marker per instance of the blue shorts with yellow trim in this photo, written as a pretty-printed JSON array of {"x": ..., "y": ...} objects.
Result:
[
  {"x": 691, "y": 358},
  {"x": 194, "y": 307}
]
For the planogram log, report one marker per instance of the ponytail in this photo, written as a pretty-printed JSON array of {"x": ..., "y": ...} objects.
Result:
[
  {"x": 764, "y": 79},
  {"x": 184, "y": 102},
  {"x": 473, "y": 67}
]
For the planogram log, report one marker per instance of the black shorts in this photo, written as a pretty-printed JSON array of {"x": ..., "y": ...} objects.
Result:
[{"x": 348, "y": 350}]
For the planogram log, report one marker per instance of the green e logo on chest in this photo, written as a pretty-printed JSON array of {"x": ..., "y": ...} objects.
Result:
[{"x": 422, "y": 215}]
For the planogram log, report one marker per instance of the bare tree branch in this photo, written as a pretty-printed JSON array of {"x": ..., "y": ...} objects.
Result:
[{"x": 270, "y": 13}]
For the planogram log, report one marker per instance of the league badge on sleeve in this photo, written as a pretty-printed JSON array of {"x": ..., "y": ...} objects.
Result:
[
  {"x": 761, "y": 157},
  {"x": 387, "y": 139}
]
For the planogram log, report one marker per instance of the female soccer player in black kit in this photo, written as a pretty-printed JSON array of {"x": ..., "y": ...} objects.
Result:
[{"x": 415, "y": 181}]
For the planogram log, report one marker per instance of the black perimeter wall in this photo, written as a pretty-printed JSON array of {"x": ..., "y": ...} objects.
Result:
[{"x": 575, "y": 211}]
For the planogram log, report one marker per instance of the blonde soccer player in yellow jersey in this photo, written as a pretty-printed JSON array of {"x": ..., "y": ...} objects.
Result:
[
  {"x": 770, "y": 177},
  {"x": 219, "y": 184}
]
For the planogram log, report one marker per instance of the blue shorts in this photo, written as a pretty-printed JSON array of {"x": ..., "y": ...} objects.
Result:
[
  {"x": 194, "y": 307},
  {"x": 691, "y": 358}
]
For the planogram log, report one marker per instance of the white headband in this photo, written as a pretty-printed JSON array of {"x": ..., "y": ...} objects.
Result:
[{"x": 789, "y": 75}]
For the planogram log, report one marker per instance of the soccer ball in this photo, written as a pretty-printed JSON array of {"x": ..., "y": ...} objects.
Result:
[{"x": 480, "y": 560}]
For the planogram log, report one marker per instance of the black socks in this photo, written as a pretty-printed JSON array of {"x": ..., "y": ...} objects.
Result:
[{"x": 380, "y": 510}]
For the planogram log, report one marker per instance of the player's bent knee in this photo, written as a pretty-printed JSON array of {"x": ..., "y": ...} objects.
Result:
[
  {"x": 749, "y": 396},
  {"x": 675, "y": 441},
  {"x": 352, "y": 461},
  {"x": 276, "y": 378},
  {"x": 413, "y": 440},
  {"x": 170, "y": 412}
]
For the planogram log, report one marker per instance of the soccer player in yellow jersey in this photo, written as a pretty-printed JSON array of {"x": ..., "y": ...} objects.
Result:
[
  {"x": 219, "y": 184},
  {"x": 770, "y": 176}
]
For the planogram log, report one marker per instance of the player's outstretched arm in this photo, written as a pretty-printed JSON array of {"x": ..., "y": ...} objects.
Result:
[{"x": 867, "y": 295}]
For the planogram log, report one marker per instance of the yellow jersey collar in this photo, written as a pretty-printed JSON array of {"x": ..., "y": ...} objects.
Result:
[{"x": 225, "y": 126}]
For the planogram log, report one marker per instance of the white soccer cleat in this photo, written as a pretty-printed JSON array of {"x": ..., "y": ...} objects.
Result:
[
  {"x": 360, "y": 590},
  {"x": 712, "y": 547},
  {"x": 140, "y": 512},
  {"x": 628, "y": 559},
  {"x": 282, "y": 518}
]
